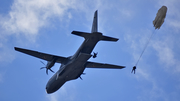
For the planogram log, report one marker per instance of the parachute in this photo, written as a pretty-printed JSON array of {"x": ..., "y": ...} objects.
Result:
[
  {"x": 160, "y": 16},
  {"x": 158, "y": 21}
]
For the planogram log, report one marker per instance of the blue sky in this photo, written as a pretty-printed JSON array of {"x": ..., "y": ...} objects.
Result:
[{"x": 46, "y": 26}]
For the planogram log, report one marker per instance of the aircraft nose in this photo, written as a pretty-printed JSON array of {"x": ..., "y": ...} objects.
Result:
[{"x": 48, "y": 90}]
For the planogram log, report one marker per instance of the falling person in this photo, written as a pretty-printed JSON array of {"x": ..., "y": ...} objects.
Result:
[
  {"x": 133, "y": 70},
  {"x": 158, "y": 21}
]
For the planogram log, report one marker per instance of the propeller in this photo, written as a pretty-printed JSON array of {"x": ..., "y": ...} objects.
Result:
[
  {"x": 42, "y": 62},
  {"x": 95, "y": 54},
  {"x": 82, "y": 74},
  {"x": 46, "y": 68}
]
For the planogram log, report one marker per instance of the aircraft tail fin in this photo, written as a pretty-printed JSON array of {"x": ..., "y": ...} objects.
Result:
[
  {"x": 95, "y": 23},
  {"x": 94, "y": 31}
]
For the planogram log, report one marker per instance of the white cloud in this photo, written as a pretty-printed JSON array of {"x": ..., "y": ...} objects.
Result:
[
  {"x": 151, "y": 88},
  {"x": 142, "y": 73},
  {"x": 28, "y": 16},
  {"x": 173, "y": 13},
  {"x": 137, "y": 41},
  {"x": 6, "y": 55},
  {"x": 164, "y": 45},
  {"x": 65, "y": 93},
  {"x": 55, "y": 96},
  {"x": 166, "y": 55},
  {"x": 168, "y": 44}
]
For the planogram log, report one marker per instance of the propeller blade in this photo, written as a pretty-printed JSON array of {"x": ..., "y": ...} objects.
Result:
[
  {"x": 80, "y": 78},
  {"x": 51, "y": 70},
  {"x": 42, "y": 62},
  {"x": 95, "y": 54},
  {"x": 82, "y": 74},
  {"x": 46, "y": 68},
  {"x": 47, "y": 71},
  {"x": 42, "y": 67}
]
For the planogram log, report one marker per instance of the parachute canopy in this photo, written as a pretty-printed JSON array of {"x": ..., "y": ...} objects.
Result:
[{"x": 160, "y": 16}]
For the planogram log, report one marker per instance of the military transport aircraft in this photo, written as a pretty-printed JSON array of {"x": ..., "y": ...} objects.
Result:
[{"x": 72, "y": 67}]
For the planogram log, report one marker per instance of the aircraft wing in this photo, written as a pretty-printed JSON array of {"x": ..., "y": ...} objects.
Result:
[
  {"x": 102, "y": 65},
  {"x": 44, "y": 56}
]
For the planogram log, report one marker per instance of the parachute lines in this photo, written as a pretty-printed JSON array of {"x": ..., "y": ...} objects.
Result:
[{"x": 145, "y": 47}]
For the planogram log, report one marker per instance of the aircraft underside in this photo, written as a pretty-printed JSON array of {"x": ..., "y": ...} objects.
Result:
[{"x": 72, "y": 67}]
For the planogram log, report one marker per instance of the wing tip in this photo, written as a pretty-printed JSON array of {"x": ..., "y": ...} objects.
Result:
[{"x": 16, "y": 48}]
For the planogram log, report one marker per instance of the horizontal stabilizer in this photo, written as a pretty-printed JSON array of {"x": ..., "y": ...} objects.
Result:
[
  {"x": 82, "y": 34},
  {"x": 102, "y": 65},
  {"x": 96, "y": 34},
  {"x": 107, "y": 38}
]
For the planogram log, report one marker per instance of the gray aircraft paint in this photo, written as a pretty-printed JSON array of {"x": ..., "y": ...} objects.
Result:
[{"x": 72, "y": 67}]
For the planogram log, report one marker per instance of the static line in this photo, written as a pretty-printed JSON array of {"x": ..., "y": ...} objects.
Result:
[{"x": 145, "y": 47}]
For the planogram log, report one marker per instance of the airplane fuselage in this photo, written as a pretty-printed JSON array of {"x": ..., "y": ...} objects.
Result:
[
  {"x": 75, "y": 66},
  {"x": 72, "y": 67}
]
